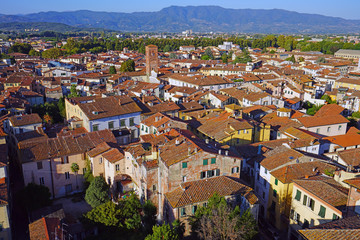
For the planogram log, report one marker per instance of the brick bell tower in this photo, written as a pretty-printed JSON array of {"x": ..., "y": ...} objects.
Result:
[{"x": 152, "y": 61}]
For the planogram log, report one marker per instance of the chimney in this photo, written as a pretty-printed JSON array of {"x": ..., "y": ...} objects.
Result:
[
  {"x": 177, "y": 142},
  {"x": 226, "y": 152},
  {"x": 119, "y": 101},
  {"x": 306, "y": 177},
  {"x": 156, "y": 119}
]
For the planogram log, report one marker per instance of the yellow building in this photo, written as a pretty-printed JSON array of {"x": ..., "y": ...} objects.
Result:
[
  {"x": 311, "y": 205},
  {"x": 281, "y": 189},
  {"x": 350, "y": 83}
]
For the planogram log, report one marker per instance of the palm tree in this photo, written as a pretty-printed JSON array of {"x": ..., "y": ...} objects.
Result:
[{"x": 75, "y": 169}]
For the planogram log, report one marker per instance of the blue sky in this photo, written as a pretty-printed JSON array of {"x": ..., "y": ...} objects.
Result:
[{"x": 348, "y": 9}]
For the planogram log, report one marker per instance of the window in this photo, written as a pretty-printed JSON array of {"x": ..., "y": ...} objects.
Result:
[
  {"x": 305, "y": 200},
  {"x": 95, "y": 127},
  {"x": 274, "y": 193},
  {"x": 111, "y": 125},
  {"x": 84, "y": 170},
  {"x": 184, "y": 178},
  {"x": 276, "y": 181},
  {"x": 142, "y": 127},
  {"x": 263, "y": 195},
  {"x": 184, "y": 165},
  {"x": 328, "y": 129},
  {"x": 213, "y": 160},
  {"x": 182, "y": 212},
  {"x": 100, "y": 160},
  {"x": 42, "y": 181},
  {"x": 64, "y": 160},
  {"x": 202, "y": 175},
  {"x": 154, "y": 187},
  {"x": 193, "y": 209},
  {"x": 311, "y": 203},
  {"x": 339, "y": 128},
  {"x": 298, "y": 195},
  {"x": 122, "y": 123},
  {"x": 132, "y": 122},
  {"x": 335, "y": 217},
  {"x": 322, "y": 211},
  {"x": 210, "y": 173},
  {"x": 39, "y": 165},
  {"x": 265, "y": 171},
  {"x": 117, "y": 167},
  {"x": 67, "y": 175},
  {"x": 235, "y": 170},
  {"x": 205, "y": 162},
  {"x": 273, "y": 206},
  {"x": 317, "y": 130}
]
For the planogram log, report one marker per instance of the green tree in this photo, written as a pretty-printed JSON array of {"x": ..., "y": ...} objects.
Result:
[
  {"x": 327, "y": 98},
  {"x": 205, "y": 57},
  {"x": 173, "y": 56},
  {"x": 20, "y": 48},
  {"x": 35, "y": 196},
  {"x": 321, "y": 60},
  {"x": 209, "y": 53},
  {"x": 97, "y": 192},
  {"x": 88, "y": 176},
  {"x": 224, "y": 58},
  {"x": 109, "y": 214},
  {"x": 75, "y": 169},
  {"x": 52, "y": 53},
  {"x": 313, "y": 109},
  {"x": 291, "y": 59},
  {"x": 112, "y": 70},
  {"x": 128, "y": 66},
  {"x": 32, "y": 52},
  {"x": 163, "y": 232},
  {"x": 355, "y": 114},
  {"x": 61, "y": 107},
  {"x": 244, "y": 57},
  {"x": 73, "y": 92},
  {"x": 167, "y": 48},
  {"x": 149, "y": 218},
  {"x": 218, "y": 220}
]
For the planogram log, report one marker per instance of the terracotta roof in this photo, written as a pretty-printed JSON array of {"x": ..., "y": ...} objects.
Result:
[
  {"x": 335, "y": 195},
  {"x": 280, "y": 156},
  {"x": 354, "y": 182},
  {"x": 345, "y": 140},
  {"x": 329, "y": 110},
  {"x": 330, "y": 234},
  {"x": 291, "y": 172},
  {"x": 4, "y": 197},
  {"x": 23, "y": 120},
  {"x": 352, "y": 222},
  {"x": 222, "y": 126},
  {"x": 315, "y": 121},
  {"x": 108, "y": 107},
  {"x": 102, "y": 147},
  {"x": 113, "y": 155},
  {"x": 350, "y": 156},
  {"x": 202, "y": 190},
  {"x": 42, "y": 229},
  {"x": 64, "y": 146}
]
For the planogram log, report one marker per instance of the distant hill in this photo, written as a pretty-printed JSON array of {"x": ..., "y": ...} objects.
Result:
[
  {"x": 198, "y": 19},
  {"x": 37, "y": 27}
]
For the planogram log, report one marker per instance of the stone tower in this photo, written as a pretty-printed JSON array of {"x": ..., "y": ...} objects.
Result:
[{"x": 151, "y": 59}]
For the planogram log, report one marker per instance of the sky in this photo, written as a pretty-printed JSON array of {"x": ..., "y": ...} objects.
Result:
[{"x": 348, "y": 9}]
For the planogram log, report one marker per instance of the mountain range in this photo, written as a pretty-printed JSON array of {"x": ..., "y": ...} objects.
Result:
[{"x": 196, "y": 18}]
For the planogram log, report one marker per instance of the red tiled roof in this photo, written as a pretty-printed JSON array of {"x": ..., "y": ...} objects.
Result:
[{"x": 202, "y": 190}]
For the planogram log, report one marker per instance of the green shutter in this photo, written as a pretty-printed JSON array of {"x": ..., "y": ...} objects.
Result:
[
  {"x": 298, "y": 195},
  {"x": 213, "y": 160},
  {"x": 322, "y": 211},
  {"x": 304, "y": 200},
  {"x": 276, "y": 181},
  {"x": 274, "y": 193},
  {"x": 335, "y": 217},
  {"x": 205, "y": 162},
  {"x": 312, "y": 204},
  {"x": 184, "y": 165}
]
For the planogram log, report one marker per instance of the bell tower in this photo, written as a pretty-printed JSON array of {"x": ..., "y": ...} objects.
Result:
[{"x": 151, "y": 59}]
